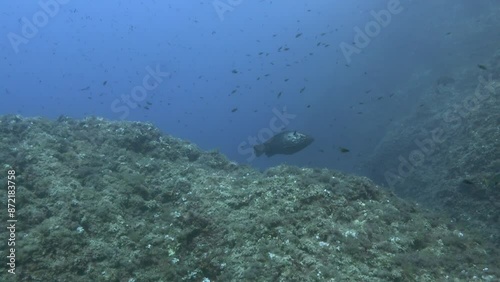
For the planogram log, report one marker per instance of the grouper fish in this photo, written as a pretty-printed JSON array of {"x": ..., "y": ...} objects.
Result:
[{"x": 285, "y": 143}]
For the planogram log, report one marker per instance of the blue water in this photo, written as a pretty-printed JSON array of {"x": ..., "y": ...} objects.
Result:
[{"x": 212, "y": 71}]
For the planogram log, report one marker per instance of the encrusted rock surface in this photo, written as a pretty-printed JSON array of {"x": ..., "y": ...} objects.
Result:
[{"x": 120, "y": 201}]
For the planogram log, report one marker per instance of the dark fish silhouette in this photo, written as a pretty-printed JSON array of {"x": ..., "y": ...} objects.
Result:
[
  {"x": 285, "y": 143},
  {"x": 343, "y": 150}
]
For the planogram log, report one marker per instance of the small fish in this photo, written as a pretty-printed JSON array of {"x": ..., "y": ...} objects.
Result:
[
  {"x": 343, "y": 150},
  {"x": 302, "y": 90},
  {"x": 234, "y": 71},
  {"x": 298, "y": 35},
  {"x": 279, "y": 94},
  {"x": 86, "y": 88},
  {"x": 234, "y": 110},
  {"x": 467, "y": 181},
  {"x": 483, "y": 67},
  {"x": 105, "y": 82}
]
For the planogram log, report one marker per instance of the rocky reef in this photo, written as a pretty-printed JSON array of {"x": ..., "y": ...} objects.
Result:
[
  {"x": 121, "y": 201},
  {"x": 446, "y": 153}
]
